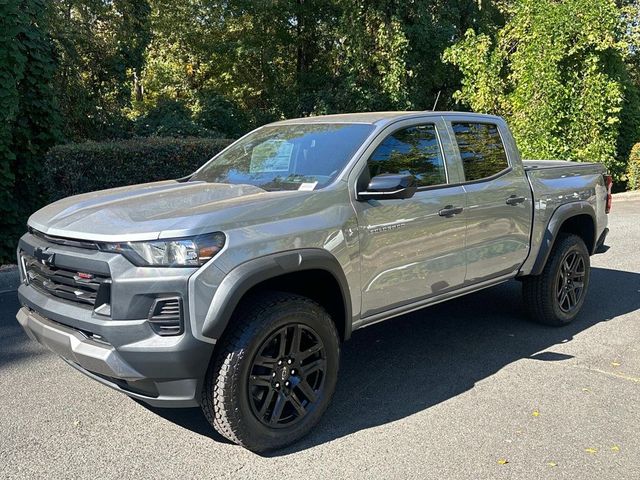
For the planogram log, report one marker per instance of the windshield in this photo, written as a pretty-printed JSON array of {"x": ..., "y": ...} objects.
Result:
[{"x": 287, "y": 157}]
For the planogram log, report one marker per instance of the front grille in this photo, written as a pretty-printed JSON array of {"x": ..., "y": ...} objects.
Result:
[
  {"x": 64, "y": 241},
  {"x": 80, "y": 287}
]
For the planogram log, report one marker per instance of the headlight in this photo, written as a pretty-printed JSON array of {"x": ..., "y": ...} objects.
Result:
[{"x": 175, "y": 252}]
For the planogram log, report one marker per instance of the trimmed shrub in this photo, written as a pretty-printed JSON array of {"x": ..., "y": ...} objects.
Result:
[
  {"x": 633, "y": 168},
  {"x": 84, "y": 167}
]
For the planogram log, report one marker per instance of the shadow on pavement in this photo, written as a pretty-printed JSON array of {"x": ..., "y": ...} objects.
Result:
[
  {"x": 405, "y": 365},
  {"x": 15, "y": 346},
  {"x": 397, "y": 368},
  {"x": 190, "y": 418}
]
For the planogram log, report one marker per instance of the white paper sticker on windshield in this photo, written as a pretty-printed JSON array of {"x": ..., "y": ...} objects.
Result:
[
  {"x": 307, "y": 187},
  {"x": 271, "y": 156}
]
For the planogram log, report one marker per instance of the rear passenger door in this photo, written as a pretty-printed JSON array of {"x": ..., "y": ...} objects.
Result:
[{"x": 498, "y": 197}]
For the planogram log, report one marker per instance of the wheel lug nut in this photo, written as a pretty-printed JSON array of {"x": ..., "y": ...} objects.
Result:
[
  {"x": 286, "y": 384},
  {"x": 293, "y": 372},
  {"x": 273, "y": 374},
  {"x": 277, "y": 385},
  {"x": 289, "y": 361},
  {"x": 279, "y": 362}
]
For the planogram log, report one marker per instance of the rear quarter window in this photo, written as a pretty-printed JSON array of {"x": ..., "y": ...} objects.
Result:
[{"x": 481, "y": 149}]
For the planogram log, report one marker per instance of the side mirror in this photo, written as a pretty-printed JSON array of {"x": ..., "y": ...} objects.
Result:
[{"x": 389, "y": 186}]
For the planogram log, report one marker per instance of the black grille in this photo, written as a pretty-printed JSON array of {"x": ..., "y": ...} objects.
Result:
[
  {"x": 79, "y": 287},
  {"x": 65, "y": 241}
]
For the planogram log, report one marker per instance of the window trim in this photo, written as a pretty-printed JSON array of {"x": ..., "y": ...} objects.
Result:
[
  {"x": 442, "y": 154},
  {"x": 454, "y": 142},
  {"x": 501, "y": 173}
]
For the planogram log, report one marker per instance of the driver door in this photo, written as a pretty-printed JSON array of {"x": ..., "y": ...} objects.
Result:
[{"x": 410, "y": 250}]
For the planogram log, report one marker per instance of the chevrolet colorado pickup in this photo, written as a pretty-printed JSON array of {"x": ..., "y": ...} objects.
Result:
[{"x": 233, "y": 288}]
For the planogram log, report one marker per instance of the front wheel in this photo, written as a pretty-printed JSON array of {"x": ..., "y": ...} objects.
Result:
[
  {"x": 556, "y": 296},
  {"x": 274, "y": 373}
]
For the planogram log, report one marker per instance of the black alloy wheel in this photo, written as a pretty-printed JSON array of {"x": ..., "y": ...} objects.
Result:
[
  {"x": 556, "y": 295},
  {"x": 287, "y": 376},
  {"x": 570, "y": 281}
]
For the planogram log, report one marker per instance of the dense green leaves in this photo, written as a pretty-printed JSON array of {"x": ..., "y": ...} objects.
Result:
[
  {"x": 289, "y": 58},
  {"x": 633, "y": 168},
  {"x": 565, "y": 73},
  {"x": 30, "y": 120},
  {"x": 557, "y": 71},
  {"x": 100, "y": 47}
]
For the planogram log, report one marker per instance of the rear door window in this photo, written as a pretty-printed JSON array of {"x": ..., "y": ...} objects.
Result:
[{"x": 481, "y": 149}]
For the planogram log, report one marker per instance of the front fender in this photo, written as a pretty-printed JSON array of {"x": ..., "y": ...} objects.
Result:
[{"x": 249, "y": 274}]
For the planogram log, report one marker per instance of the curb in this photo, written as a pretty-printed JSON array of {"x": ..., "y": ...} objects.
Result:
[
  {"x": 9, "y": 280},
  {"x": 625, "y": 196}
]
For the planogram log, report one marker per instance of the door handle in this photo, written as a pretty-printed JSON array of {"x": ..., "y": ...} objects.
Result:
[
  {"x": 450, "y": 211},
  {"x": 515, "y": 200}
]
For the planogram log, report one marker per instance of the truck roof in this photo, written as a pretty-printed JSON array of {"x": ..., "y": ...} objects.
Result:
[{"x": 375, "y": 118}]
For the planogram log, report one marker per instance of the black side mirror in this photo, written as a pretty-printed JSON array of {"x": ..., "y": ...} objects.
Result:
[{"x": 388, "y": 186}]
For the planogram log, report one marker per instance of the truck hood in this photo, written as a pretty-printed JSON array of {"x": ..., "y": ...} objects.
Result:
[{"x": 150, "y": 211}]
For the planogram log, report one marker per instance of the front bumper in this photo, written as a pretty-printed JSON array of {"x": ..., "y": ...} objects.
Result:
[
  {"x": 162, "y": 376},
  {"x": 76, "y": 347},
  {"x": 121, "y": 350}
]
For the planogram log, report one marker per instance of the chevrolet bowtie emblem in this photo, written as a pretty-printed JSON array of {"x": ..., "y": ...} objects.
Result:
[{"x": 44, "y": 257}]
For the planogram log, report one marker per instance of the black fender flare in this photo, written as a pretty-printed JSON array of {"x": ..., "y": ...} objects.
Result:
[
  {"x": 559, "y": 216},
  {"x": 253, "y": 272}
]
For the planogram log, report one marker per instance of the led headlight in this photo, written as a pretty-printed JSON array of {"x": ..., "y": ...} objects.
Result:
[{"x": 175, "y": 252}]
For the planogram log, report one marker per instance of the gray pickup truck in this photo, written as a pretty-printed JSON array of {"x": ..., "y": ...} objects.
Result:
[{"x": 234, "y": 288}]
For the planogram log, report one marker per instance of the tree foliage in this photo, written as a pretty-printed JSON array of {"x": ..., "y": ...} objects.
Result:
[
  {"x": 100, "y": 48},
  {"x": 633, "y": 168},
  {"x": 557, "y": 71},
  {"x": 262, "y": 61},
  {"x": 30, "y": 119},
  {"x": 565, "y": 73}
]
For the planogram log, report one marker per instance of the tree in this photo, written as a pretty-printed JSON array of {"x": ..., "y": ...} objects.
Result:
[
  {"x": 556, "y": 70},
  {"x": 290, "y": 58},
  {"x": 30, "y": 123},
  {"x": 388, "y": 54},
  {"x": 100, "y": 48}
]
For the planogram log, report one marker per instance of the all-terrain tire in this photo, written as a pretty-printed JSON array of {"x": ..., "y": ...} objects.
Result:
[
  {"x": 542, "y": 293},
  {"x": 227, "y": 394}
]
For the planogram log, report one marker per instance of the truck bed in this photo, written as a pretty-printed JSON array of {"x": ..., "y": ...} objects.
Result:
[
  {"x": 555, "y": 183},
  {"x": 547, "y": 164}
]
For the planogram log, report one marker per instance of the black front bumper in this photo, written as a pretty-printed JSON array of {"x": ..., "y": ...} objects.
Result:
[{"x": 161, "y": 371}]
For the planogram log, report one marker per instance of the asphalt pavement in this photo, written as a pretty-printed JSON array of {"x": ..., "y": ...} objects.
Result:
[{"x": 468, "y": 389}]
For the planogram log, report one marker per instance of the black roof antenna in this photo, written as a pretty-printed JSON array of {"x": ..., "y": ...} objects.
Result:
[{"x": 435, "y": 104}]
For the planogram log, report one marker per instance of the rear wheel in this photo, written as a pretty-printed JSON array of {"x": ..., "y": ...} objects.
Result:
[
  {"x": 556, "y": 296},
  {"x": 275, "y": 372}
]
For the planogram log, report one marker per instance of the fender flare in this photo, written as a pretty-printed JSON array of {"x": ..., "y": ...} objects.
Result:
[
  {"x": 559, "y": 216},
  {"x": 249, "y": 274}
]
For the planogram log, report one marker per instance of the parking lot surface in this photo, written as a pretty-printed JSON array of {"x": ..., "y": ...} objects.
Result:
[{"x": 467, "y": 389}]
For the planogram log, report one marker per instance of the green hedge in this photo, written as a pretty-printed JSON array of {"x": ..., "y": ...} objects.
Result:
[
  {"x": 633, "y": 168},
  {"x": 83, "y": 167}
]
